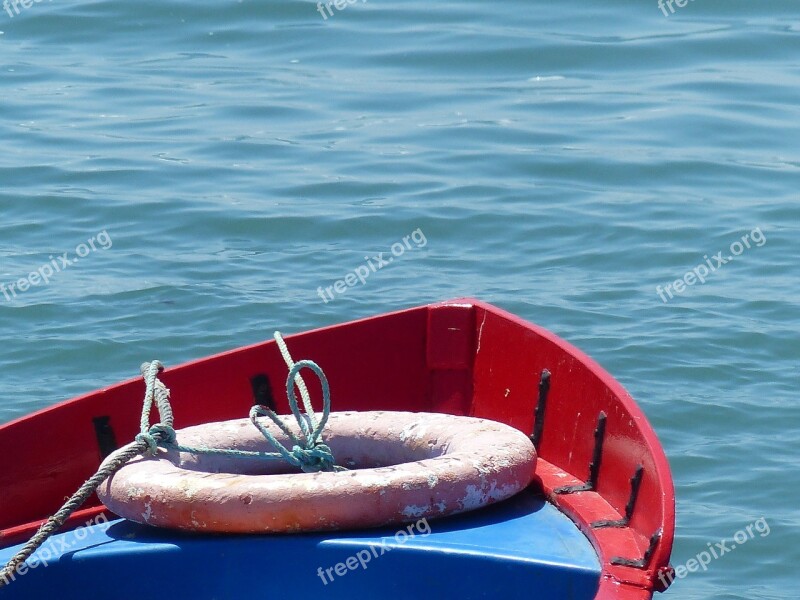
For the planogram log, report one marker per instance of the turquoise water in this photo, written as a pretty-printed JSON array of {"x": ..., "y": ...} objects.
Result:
[{"x": 230, "y": 161}]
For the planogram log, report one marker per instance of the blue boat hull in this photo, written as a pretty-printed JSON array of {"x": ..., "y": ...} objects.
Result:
[{"x": 521, "y": 548}]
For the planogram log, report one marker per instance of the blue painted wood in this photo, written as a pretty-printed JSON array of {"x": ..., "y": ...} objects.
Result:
[{"x": 522, "y": 548}]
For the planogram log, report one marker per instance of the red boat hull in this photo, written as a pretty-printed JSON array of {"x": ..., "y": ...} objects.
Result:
[{"x": 461, "y": 357}]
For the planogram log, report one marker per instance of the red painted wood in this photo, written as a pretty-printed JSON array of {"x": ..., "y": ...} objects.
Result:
[
  {"x": 461, "y": 357},
  {"x": 509, "y": 361},
  {"x": 450, "y": 351}
]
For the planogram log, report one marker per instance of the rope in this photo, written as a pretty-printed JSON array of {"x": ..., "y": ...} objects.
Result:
[
  {"x": 113, "y": 463},
  {"x": 298, "y": 379},
  {"x": 157, "y": 392},
  {"x": 308, "y": 453}
]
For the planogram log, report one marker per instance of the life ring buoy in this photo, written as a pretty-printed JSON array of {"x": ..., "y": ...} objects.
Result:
[{"x": 405, "y": 466}]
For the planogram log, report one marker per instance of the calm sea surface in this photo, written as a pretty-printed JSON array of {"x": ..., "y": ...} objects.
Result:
[{"x": 225, "y": 162}]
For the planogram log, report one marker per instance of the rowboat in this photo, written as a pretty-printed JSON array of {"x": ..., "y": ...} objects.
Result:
[{"x": 596, "y": 520}]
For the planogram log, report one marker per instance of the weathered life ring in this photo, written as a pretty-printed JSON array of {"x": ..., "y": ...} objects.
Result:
[{"x": 405, "y": 466}]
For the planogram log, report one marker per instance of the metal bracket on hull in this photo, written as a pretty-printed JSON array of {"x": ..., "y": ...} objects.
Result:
[
  {"x": 642, "y": 562},
  {"x": 262, "y": 390},
  {"x": 541, "y": 404},
  {"x": 636, "y": 481},
  {"x": 594, "y": 466},
  {"x": 106, "y": 439}
]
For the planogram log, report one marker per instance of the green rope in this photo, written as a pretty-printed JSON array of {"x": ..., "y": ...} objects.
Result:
[
  {"x": 113, "y": 463},
  {"x": 157, "y": 392},
  {"x": 308, "y": 453}
]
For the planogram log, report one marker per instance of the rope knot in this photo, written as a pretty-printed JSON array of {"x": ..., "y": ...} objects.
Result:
[
  {"x": 312, "y": 460},
  {"x": 152, "y": 443},
  {"x": 158, "y": 434},
  {"x": 158, "y": 394},
  {"x": 307, "y": 452}
]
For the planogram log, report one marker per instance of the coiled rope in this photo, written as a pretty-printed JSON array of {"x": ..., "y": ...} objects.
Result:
[{"x": 307, "y": 453}]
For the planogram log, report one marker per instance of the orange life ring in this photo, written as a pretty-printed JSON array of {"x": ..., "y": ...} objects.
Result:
[{"x": 405, "y": 465}]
